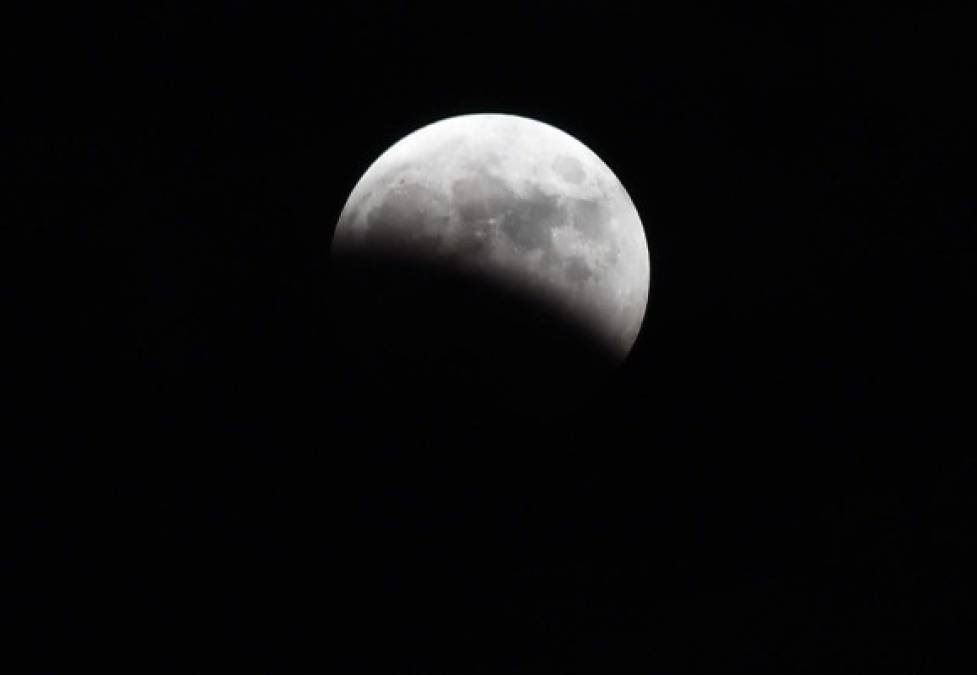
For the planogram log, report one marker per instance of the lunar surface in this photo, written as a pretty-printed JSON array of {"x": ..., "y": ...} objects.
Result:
[{"x": 511, "y": 201}]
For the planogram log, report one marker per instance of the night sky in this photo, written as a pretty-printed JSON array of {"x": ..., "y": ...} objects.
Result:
[{"x": 780, "y": 479}]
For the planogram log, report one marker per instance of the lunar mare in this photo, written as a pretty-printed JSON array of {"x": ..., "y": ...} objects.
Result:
[{"x": 512, "y": 201}]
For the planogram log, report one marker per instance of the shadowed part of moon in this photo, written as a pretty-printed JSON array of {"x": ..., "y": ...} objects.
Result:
[{"x": 405, "y": 326}]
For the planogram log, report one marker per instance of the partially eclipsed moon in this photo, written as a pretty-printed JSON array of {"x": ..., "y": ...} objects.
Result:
[{"x": 511, "y": 201}]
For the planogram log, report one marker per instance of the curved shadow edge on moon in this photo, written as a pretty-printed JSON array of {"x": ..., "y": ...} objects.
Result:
[{"x": 423, "y": 337}]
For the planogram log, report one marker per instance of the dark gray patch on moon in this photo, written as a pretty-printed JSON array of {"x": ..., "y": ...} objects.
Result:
[
  {"x": 589, "y": 217},
  {"x": 480, "y": 197},
  {"x": 578, "y": 272},
  {"x": 473, "y": 241},
  {"x": 349, "y": 215},
  {"x": 569, "y": 169},
  {"x": 529, "y": 224},
  {"x": 405, "y": 218}
]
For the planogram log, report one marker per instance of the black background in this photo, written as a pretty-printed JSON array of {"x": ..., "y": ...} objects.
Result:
[{"x": 781, "y": 478}]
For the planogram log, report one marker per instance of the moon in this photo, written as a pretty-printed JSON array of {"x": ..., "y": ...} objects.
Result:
[{"x": 511, "y": 201}]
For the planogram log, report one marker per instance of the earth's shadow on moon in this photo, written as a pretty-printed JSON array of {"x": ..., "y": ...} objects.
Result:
[{"x": 427, "y": 341}]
